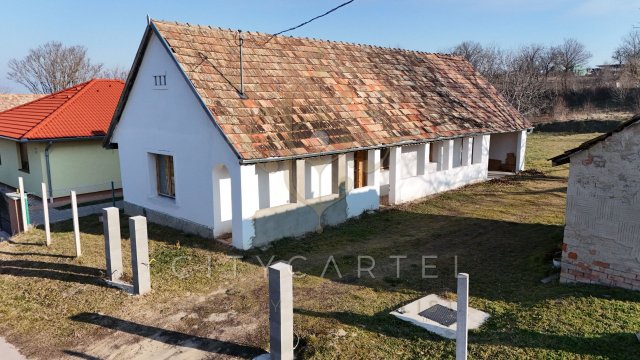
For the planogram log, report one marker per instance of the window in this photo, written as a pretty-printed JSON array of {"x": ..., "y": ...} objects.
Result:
[
  {"x": 384, "y": 158},
  {"x": 23, "y": 157},
  {"x": 164, "y": 176}
]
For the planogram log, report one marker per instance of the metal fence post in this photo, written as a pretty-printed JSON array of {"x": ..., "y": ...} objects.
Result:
[
  {"x": 113, "y": 194},
  {"x": 45, "y": 210}
]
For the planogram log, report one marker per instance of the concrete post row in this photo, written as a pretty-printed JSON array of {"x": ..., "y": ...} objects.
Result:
[
  {"x": 23, "y": 205},
  {"x": 76, "y": 225},
  {"x": 140, "y": 255},
  {"x": 45, "y": 209},
  {"x": 112, "y": 242},
  {"x": 281, "y": 311},
  {"x": 462, "y": 314}
]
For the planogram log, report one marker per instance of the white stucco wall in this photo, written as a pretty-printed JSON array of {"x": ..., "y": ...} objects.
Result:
[
  {"x": 170, "y": 121},
  {"x": 318, "y": 177},
  {"x": 432, "y": 180}
]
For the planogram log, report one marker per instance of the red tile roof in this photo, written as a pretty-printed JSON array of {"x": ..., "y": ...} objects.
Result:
[
  {"x": 307, "y": 96},
  {"x": 7, "y": 101},
  {"x": 84, "y": 110}
]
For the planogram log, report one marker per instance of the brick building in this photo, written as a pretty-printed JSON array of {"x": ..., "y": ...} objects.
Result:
[{"x": 602, "y": 232}]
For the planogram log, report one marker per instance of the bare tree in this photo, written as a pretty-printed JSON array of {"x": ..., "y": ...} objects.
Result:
[
  {"x": 570, "y": 56},
  {"x": 628, "y": 55},
  {"x": 53, "y": 67},
  {"x": 116, "y": 72},
  {"x": 485, "y": 59}
]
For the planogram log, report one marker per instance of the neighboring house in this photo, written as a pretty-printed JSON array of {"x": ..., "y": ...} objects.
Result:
[
  {"x": 57, "y": 139},
  {"x": 317, "y": 133},
  {"x": 7, "y": 101},
  {"x": 602, "y": 231}
]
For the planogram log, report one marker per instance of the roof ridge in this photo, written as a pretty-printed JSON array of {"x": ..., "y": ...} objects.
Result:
[
  {"x": 44, "y": 96},
  {"x": 350, "y": 43},
  {"x": 85, "y": 85}
]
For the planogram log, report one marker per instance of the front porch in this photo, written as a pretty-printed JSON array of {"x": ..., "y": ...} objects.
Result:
[{"x": 263, "y": 202}]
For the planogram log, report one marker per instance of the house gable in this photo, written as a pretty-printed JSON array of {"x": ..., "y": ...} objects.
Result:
[{"x": 162, "y": 115}]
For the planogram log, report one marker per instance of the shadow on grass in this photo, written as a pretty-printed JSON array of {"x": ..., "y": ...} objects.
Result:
[
  {"x": 578, "y": 126},
  {"x": 53, "y": 271},
  {"x": 80, "y": 355},
  {"x": 12, "y": 242},
  {"x": 606, "y": 345},
  {"x": 36, "y": 254},
  {"x": 169, "y": 337}
]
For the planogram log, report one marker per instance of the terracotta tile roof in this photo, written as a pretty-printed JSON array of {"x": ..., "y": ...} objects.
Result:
[
  {"x": 7, "y": 101},
  {"x": 307, "y": 96},
  {"x": 84, "y": 110}
]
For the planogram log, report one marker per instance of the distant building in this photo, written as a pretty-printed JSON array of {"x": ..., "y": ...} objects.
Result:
[
  {"x": 57, "y": 139},
  {"x": 8, "y": 101},
  {"x": 602, "y": 231}
]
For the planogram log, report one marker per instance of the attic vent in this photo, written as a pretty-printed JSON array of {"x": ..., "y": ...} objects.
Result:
[{"x": 160, "y": 80}]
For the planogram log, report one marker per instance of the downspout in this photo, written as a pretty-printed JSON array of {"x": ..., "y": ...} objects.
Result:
[{"x": 46, "y": 157}]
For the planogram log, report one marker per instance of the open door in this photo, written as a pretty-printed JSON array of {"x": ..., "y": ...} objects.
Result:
[{"x": 360, "y": 169}]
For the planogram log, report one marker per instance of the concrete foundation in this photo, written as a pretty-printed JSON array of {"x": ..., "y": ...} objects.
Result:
[
  {"x": 160, "y": 218},
  {"x": 140, "y": 255}
]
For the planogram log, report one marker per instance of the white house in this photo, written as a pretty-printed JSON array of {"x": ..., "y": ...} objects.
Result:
[
  {"x": 221, "y": 132},
  {"x": 602, "y": 233}
]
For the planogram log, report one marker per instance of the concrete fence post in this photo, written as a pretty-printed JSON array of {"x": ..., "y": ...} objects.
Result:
[
  {"x": 23, "y": 205},
  {"x": 45, "y": 210},
  {"x": 112, "y": 242},
  {"x": 462, "y": 313},
  {"x": 76, "y": 224},
  {"x": 281, "y": 311},
  {"x": 140, "y": 255}
]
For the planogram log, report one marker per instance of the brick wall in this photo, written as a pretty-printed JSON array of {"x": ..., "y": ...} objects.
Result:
[{"x": 602, "y": 233}]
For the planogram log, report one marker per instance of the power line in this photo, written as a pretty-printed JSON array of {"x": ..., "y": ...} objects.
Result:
[{"x": 308, "y": 21}]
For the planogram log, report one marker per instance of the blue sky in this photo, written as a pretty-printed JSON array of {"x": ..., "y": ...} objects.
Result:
[{"x": 112, "y": 29}]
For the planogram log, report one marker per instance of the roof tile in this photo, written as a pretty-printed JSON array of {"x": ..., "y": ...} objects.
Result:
[{"x": 358, "y": 96}]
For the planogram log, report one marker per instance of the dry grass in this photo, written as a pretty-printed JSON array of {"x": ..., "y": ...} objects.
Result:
[{"x": 503, "y": 233}]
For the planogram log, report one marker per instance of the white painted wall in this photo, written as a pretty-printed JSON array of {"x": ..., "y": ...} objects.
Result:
[
  {"x": 318, "y": 177},
  {"x": 171, "y": 121},
  {"x": 434, "y": 180}
]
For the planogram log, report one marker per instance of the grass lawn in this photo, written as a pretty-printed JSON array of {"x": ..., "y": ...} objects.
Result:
[{"x": 503, "y": 234}]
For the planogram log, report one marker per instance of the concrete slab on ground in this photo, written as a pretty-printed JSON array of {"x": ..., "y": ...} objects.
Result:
[
  {"x": 411, "y": 313},
  {"x": 9, "y": 352}
]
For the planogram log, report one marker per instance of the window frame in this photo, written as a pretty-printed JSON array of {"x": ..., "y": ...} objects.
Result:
[
  {"x": 170, "y": 171},
  {"x": 23, "y": 154}
]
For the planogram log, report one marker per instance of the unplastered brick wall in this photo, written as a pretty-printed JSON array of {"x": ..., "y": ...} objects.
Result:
[{"x": 602, "y": 233}]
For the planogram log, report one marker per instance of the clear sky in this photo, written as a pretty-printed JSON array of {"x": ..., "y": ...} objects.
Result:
[{"x": 111, "y": 29}]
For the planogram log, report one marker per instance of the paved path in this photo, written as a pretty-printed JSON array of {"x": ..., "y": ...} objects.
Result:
[
  {"x": 36, "y": 213},
  {"x": 9, "y": 352}
]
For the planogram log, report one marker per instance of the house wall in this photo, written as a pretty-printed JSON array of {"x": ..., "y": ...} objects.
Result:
[
  {"x": 9, "y": 167},
  {"x": 434, "y": 177},
  {"x": 602, "y": 232},
  {"x": 170, "y": 120},
  {"x": 83, "y": 166}
]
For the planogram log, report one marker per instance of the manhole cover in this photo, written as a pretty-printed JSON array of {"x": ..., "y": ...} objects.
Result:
[{"x": 440, "y": 314}]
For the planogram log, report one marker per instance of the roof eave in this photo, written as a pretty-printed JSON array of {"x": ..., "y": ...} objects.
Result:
[{"x": 374, "y": 147}]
